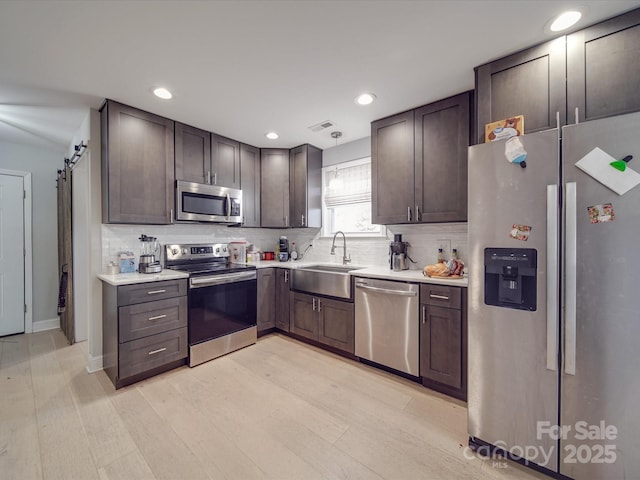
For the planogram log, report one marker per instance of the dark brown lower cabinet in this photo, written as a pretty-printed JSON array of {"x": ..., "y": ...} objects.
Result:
[
  {"x": 266, "y": 306},
  {"x": 144, "y": 329},
  {"x": 443, "y": 339},
  {"x": 282, "y": 299},
  {"x": 324, "y": 320}
]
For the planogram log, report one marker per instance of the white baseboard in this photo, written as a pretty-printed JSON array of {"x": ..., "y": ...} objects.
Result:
[
  {"x": 94, "y": 364},
  {"x": 42, "y": 325}
]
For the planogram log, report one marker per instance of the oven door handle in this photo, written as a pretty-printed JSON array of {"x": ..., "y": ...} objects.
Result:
[{"x": 199, "y": 282}]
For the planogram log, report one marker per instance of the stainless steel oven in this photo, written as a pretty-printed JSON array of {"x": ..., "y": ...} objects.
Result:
[
  {"x": 200, "y": 202},
  {"x": 222, "y": 300}
]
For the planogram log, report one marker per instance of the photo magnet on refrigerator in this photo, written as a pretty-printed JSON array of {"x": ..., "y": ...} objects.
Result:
[
  {"x": 520, "y": 232},
  {"x": 601, "y": 213}
]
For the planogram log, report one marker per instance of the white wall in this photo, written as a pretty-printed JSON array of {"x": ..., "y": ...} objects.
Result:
[{"x": 43, "y": 164}]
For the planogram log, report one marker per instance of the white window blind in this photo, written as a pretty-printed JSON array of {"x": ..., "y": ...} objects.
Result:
[{"x": 347, "y": 185}]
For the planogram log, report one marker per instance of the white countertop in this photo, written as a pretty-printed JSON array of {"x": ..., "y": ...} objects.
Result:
[
  {"x": 374, "y": 272},
  {"x": 131, "y": 278}
]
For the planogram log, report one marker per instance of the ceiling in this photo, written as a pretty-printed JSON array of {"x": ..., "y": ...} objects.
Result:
[{"x": 242, "y": 68}]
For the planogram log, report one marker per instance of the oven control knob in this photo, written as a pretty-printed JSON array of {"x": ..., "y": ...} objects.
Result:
[
  {"x": 184, "y": 251},
  {"x": 174, "y": 251}
]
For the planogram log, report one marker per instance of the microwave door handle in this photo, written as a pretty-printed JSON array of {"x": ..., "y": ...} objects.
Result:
[{"x": 228, "y": 207}]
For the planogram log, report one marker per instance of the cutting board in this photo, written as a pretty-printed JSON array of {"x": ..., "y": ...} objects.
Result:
[{"x": 597, "y": 164}]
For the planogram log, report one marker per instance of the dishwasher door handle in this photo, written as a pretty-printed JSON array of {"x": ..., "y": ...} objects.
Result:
[{"x": 401, "y": 293}]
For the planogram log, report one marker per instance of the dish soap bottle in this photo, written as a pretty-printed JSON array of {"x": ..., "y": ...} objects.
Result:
[
  {"x": 440, "y": 256},
  {"x": 294, "y": 251},
  {"x": 454, "y": 254}
]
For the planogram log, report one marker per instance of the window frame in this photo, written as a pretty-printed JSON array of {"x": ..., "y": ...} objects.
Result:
[{"x": 325, "y": 230}]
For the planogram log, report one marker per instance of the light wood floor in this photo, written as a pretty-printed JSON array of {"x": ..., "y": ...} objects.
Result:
[{"x": 278, "y": 410}]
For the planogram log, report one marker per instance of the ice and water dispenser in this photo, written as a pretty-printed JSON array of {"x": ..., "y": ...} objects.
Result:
[{"x": 510, "y": 277}]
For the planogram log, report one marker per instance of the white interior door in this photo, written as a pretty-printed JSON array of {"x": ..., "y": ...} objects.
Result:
[{"x": 11, "y": 254}]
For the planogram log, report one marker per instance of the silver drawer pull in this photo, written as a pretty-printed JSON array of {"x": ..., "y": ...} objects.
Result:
[
  {"x": 439, "y": 297},
  {"x": 153, "y": 292},
  {"x": 157, "y": 317},
  {"x": 153, "y": 352}
]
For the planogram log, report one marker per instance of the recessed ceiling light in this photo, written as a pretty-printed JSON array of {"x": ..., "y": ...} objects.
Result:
[
  {"x": 163, "y": 93},
  {"x": 365, "y": 98},
  {"x": 272, "y": 135},
  {"x": 565, "y": 20}
]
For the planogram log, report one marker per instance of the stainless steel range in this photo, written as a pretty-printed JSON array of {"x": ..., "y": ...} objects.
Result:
[{"x": 222, "y": 299}]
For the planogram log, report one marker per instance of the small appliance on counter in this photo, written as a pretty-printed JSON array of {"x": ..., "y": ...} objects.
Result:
[
  {"x": 149, "y": 255},
  {"x": 284, "y": 249},
  {"x": 398, "y": 257}
]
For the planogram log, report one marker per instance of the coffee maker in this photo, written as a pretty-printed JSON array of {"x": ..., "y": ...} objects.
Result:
[
  {"x": 283, "y": 246},
  {"x": 398, "y": 257},
  {"x": 149, "y": 255}
]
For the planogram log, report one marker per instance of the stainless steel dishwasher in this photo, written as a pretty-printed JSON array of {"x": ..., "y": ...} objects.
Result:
[{"x": 387, "y": 324}]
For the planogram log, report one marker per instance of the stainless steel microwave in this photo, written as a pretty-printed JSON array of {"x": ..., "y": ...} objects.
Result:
[{"x": 200, "y": 202}]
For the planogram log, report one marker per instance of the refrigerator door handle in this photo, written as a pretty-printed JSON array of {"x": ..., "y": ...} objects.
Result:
[
  {"x": 570, "y": 255},
  {"x": 552, "y": 277}
]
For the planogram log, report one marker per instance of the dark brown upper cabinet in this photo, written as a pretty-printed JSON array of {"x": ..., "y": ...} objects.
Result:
[
  {"x": 250, "y": 182},
  {"x": 442, "y": 136},
  {"x": 137, "y": 166},
  {"x": 193, "y": 153},
  {"x": 529, "y": 83},
  {"x": 392, "y": 169},
  {"x": 419, "y": 163},
  {"x": 274, "y": 187},
  {"x": 603, "y": 69},
  {"x": 225, "y": 161},
  {"x": 305, "y": 186}
]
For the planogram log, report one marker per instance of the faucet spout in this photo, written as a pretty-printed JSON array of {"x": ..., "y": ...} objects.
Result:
[{"x": 345, "y": 258}]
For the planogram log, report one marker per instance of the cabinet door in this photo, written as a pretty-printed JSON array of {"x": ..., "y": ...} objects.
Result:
[
  {"x": 266, "y": 299},
  {"x": 193, "y": 154},
  {"x": 283, "y": 295},
  {"x": 603, "y": 68},
  {"x": 304, "y": 320},
  {"x": 137, "y": 166},
  {"x": 441, "y": 345},
  {"x": 225, "y": 161},
  {"x": 250, "y": 184},
  {"x": 306, "y": 186},
  {"x": 392, "y": 170},
  {"x": 336, "y": 324},
  {"x": 274, "y": 187},
  {"x": 529, "y": 83},
  {"x": 441, "y": 143}
]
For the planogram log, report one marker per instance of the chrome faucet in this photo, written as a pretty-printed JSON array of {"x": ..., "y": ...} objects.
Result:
[{"x": 345, "y": 259}]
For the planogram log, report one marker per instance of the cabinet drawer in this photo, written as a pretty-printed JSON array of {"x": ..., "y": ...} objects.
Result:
[
  {"x": 441, "y": 295},
  {"x": 148, "y": 292},
  {"x": 146, "y": 353},
  {"x": 144, "y": 319}
]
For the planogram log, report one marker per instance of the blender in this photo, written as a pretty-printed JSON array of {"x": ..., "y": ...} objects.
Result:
[{"x": 149, "y": 258}]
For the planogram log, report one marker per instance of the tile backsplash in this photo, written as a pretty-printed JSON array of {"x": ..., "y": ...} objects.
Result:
[{"x": 424, "y": 241}]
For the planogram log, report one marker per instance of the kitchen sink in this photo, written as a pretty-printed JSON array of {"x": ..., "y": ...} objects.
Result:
[{"x": 329, "y": 280}]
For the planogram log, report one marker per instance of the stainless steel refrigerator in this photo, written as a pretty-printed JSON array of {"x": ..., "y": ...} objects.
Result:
[{"x": 554, "y": 304}]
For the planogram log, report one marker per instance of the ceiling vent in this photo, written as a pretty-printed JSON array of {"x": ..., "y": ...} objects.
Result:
[{"x": 318, "y": 127}]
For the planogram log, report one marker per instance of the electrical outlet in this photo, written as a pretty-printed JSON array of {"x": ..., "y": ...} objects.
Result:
[{"x": 445, "y": 245}]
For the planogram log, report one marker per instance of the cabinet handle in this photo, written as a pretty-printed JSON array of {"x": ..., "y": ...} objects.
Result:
[
  {"x": 439, "y": 297},
  {"x": 313, "y": 304},
  {"x": 302, "y": 222},
  {"x": 417, "y": 213},
  {"x": 286, "y": 276},
  {"x": 154, "y": 292},
  {"x": 408, "y": 214},
  {"x": 157, "y": 317},
  {"x": 153, "y": 352},
  {"x": 215, "y": 178},
  {"x": 171, "y": 216},
  {"x": 319, "y": 305},
  {"x": 424, "y": 314},
  {"x": 208, "y": 178},
  {"x": 286, "y": 220}
]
